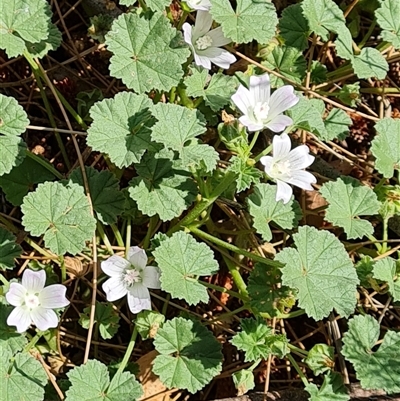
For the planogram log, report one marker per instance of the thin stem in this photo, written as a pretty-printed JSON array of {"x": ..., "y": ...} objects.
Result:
[
  {"x": 253, "y": 141},
  {"x": 152, "y": 225},
  {"x": 104, "y": 237},
  {"x": 297, "y": 349},
  {"x": 219, "y": 288},
  {"x": 63, "y": 269},
  {"x": 3, "y": 280},
  {"x": 182, "y": 20},
  {"x": 128, "y": 237},
  {"x": 128, "y": 352},
  {"x": 384, "y": 247},
  {"x": 298, "y": 370},
  {"x": 263, "y": 153},
  {"x": 117, "y": 234},
  {"x": 43, "y": 162},
  {"x": 237, "y": 277}
]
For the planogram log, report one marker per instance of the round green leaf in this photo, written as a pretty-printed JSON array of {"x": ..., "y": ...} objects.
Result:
[{"x": 9, "y": 250}]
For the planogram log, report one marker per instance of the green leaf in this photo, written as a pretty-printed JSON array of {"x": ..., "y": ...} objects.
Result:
[
  {"x": 322, "y": 272},
  {"x": 266, "y": 293},
  {"x": 294, "y": 28},
  {"x": 216, "y": 89},
  {"x": 320, "y": 358},
  {"x": 318, "y": 72},
  {"x": 249, "y": 21},
  {"x": 235, "y": 137},
  {"x": 289, "y": 62},
  {"x": 158, "y": 5},
  {"x": 388, "y": 270},
  {"x": 389, "y": 196},
  {"x": 10, "y": 340},
  {"x": 332, "y": 389},
  {"x": 323, "y": 16},
  {"x": 350, "y": 94},
  {"x": 176, "y": 129},
  {"x": 388, "y": 17},
  {"x": 257, "y": 340},
  {"x": 244, "y": 381},
  {"x": 51, "y": 43},
  {"x": 246, "y": 174},
  {"x": 376, "y": 369},
  {"x": 108, "y": 200},
  {"x": 364, "y": 269},
  {"x": 121, "y": 128},
  {"x": 147, "y": 52},
  {"x": 181, "y": 259},
  {"x": 163, "y": 186},
  {"x": 22, "y": 179},
  {"x": 264, "y": 210},
  {"x": 190, "y": 355},
  {"x": 370, "y": 64},
  {"x": 348, "y": 199},
  {"x": 336, "y": 125},
  {"x": 91, "y": 382},
  {"x": 386, "y": 146},
  {"x": 344, "y": 44},
  {"x": 148, "y": 323},
  {"x": 20, "y": 21},
  {"x": 62, "y": 214},
  {"x": 9, "y": 250},
  {"x": 13, "y": 122},
  {"x": 106, "y": 318},
  {"x": 22, "y": 377}
]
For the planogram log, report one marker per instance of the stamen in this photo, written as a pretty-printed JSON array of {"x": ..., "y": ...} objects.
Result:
[{"x": 204, "y": 42}]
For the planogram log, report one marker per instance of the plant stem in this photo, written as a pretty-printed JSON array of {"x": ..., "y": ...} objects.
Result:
[
  {"x": 43, "y": 162},
  {"x": 128, "y": 352},
  {"x": 117, "y": 234},
  {"x": 128, "y": 237},
  {"x": 298, "y": 370},
  {"x": 219, "y": 288},
  {"x": 237, "y": 277},
  {"x": 152, "y": 225},
  {"x": 182, "y": 20},
  {"x": 263, "y": 153},
  {"x": 63, "y": 269},
  {"x": 3, "y": 280},
  {"x": 104, "y": 237},
  {"x": 253, "y": 141}
]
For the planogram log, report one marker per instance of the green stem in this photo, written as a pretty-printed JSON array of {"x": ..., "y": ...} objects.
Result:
[
  {"x": 34, "y": 340},
  {"x": 384, "y": 247},
  {"x": 63, "y": 269},
  {"x": 4, "y": 280},
  {"x": 152, "y": 225},
  {"x": 128, "y": 236},
  {"x": 253, "y": 142},
  {"x": 233, "y": 248},
  {"x": 104, "y": 237},
  {"x": 128, "y": 352},
  {"x": 185, "y": 101},
  {"x": 182, "y": 20},
  {"x": 218, "y": 288},
  {"x": 298, "y": 350},
  {"x": 237, "y": 277},
  {"x": 43, "y": 162},
  {"x": 367, "y": 35},
  {"x": 117, "y": 234},
  {"x": 298, "y": 370},
  {"x": 263, "y": 153}
]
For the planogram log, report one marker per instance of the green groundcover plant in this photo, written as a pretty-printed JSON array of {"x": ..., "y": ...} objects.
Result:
[{"x": 224, "y": 123}]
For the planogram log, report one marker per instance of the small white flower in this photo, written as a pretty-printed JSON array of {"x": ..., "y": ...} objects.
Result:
[
  {"x": 34, "y": 302},
  {"x": 131, "y": 276},
  {"x": 260, "y": 108},
  {"x": 203, "y": 5},
  {"x": 285, "y": 166},
  {"x": 205, "y": 44}
]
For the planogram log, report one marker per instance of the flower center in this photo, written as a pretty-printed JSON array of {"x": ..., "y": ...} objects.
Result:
[
  {"x": 204, "y": 42},
  {"x": 132, "y": 276},
  {"x": 32, "y": 301},
  {"x": 261, "y": 111},
  {"x": 280, "y": 168}
]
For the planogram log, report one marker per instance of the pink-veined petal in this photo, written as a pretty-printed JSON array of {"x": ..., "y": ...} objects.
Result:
[
  {"x": 283, "y": 191},
  {"x": 267, "y": 162},
  {"x": 53, "y": 296},
  {"x": 137, "y": 256},
  {"x": 302, "y": 179},
  {"x": 187, "y": 33},
  {"x": 115, "y": 265},
  {"x": 218, "y": 38},
  {"x": 202, "y": 24},
  {"x": 260, "y": 88},
  {"x": 282, "y": 99},
  {"x": 242, "y": 100},
  {"x": 43, "y": 318},
  {"x": 220, "y": 57},
  {"x": 151, "y": 277},
  {"x": 279, "y": 123},
  {"x": 203, "y": 61},
  {"x": 300, "y": 158},
  {"x": 281, "y": 145},
  {"x": 16, "y": 294},
  {"x": 114, "y": 288},
  {"x": 20, "y": 317},
  {"x": 250, "y": 124},
  {"x": 139, "y": 298},
  {"x": 33, "y": 281}
]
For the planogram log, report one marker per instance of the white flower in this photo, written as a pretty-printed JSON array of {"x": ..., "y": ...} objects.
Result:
[
  {"x": 34, "y": 302},
  {"x": 203, "y": 5},
  {"x": 285, "y": 166},
  {"x": 260, "y": 108},
  {"x": 205, "y": 44},
  {"x": 131, "y": 276}
]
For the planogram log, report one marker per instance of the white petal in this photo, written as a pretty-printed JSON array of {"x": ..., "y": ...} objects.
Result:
[
  {"x": 151, "y": 277},
  {"x": 16, "y": 294},
  {"x": 250, "y": 124},
  {"x": 279, "y": 123},
  {"x": 187, "y": 33},
  {"x": 20, "y": 317},
  {"x": 115, "y": 265},
  {"x": 44, "y": 318},
  {"x": 221, "y": 58},
  {"x": 202, "y": 61},
  {"x": 283, "y": 191},
  {"x": 281, "y": 145},
  {"x": 302, "y": 179},
  {"x": 267, "y": 161},
  {"x": 218, "y": 38},
  {"x": 202, "y": 25},
  {"x": 53, "y": 296},
  {"x": 260, "y": 88},
  {"x": 137, "y": 256},
  {"x": 139, "y": 298},
  {"x": 204, "y": 5},
  {"x": 281, "y": 100},
  {"x": 34, "y": 281},
  {"x": 114, "y": 289},
  {"x": 300, "y": 158},
  {"x": 242, "y": 100}
]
